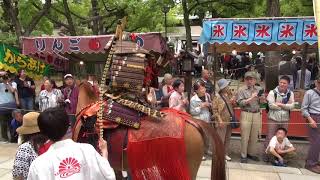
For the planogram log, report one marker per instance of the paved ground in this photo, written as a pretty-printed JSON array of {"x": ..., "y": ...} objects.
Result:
[{"x": 235, "y": 170}]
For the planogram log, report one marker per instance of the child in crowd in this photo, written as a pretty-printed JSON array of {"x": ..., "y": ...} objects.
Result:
[{"x": 280, "y": 150}]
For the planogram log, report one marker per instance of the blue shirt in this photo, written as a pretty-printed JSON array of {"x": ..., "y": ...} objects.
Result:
[
  {"x": 311, "y": 103},
  {"x": 14, "y": 126}
]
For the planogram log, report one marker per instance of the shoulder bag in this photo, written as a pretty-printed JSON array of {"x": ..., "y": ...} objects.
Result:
[{"x": 234, "y": 123}]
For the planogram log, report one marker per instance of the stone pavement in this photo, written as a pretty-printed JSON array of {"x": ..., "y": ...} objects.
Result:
[
  {"x": 239, "y": 171},
  {"x": 235, "y": 170}
]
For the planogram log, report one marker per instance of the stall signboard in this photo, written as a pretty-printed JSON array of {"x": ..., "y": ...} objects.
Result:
[
  {"x": 86, "y": 44},
  {"x": 58, "y": 62},
  {"x": 260, "y": 31},
  {"x": 12, "y": 60}
]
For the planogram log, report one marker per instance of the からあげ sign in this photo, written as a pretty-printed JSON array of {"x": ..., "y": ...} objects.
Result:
[{"x": 11, "y": 60}]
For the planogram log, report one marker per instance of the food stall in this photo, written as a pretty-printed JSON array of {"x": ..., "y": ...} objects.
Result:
[
  {"x": 65, "y": 52},
  {"x": 263, "y": 34}
]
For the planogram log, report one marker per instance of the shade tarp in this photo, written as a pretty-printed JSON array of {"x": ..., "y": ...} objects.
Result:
[
  {"x": 86, "y": 44},
  {"x": 259, "y": 31}
]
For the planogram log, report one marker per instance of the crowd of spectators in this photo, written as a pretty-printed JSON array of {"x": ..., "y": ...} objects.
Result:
[{"x": 46, "y": 132}]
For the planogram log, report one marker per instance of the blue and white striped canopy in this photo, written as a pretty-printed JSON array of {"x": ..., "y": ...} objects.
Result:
[{"x": 259, "y": 31}]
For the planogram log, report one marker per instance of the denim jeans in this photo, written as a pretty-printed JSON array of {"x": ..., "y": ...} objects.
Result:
[
  {"x": 5, "y": 117},
  {"x": 26, "y": 103}
]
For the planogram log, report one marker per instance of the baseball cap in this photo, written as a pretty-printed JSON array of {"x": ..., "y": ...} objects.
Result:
[
  {"x": 250, "y": 74},
  {"x": 68, "y": 76}
]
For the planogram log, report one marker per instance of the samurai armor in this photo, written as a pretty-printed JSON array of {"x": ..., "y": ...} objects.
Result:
[
  {"x": 128, "y": 66},
  {"x": 122, "y": 115}
]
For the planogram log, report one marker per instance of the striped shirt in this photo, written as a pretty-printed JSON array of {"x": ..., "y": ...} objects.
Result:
[{"x": 311, "y": 103}]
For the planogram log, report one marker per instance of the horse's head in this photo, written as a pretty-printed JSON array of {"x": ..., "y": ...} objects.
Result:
[{"x": 87, "y": 95}]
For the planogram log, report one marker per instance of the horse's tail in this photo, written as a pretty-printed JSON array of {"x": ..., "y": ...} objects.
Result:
[{"x": 218, "y": 171}]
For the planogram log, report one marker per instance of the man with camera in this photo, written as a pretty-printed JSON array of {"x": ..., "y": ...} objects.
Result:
[
  {"x": 249, "y": 98},
  {"x": 26, "y": 90},
  {"x": 7, "y": 103}
]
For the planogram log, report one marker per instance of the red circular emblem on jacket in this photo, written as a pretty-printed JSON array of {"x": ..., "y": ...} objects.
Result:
[
  {"x": 94, "y": 44},
  {"x": 69, "y": 167}
]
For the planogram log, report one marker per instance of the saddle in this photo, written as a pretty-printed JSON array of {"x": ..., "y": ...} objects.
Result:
[
  {"x": 117, "y": 135},
  {"x": 117, "y": 120}
]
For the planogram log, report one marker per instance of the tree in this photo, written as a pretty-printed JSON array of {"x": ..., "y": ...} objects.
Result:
[
  {"x": 201, "y": 7},
  {"x": 24, "y": 28},
  {"x": 272, "y": 57},
  {"x": 273, "y": 8},
  {"x": 186, "y": 21}
]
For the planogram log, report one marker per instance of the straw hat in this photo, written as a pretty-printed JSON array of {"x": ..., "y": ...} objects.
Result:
[
  {"x": 29, "y": 124},
  {"x": 167, "y": 76}
]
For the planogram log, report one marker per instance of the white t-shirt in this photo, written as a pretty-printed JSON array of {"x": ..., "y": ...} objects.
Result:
[
  {"x": 70, "y": 161},
  {"x": 274, "y": 143}
]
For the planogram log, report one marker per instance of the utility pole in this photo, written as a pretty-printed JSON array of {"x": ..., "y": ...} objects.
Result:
[{"x": 165, "y": 10}]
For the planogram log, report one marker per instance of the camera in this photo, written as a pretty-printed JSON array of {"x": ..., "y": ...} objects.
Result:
[{"x": 260, "y": 93}]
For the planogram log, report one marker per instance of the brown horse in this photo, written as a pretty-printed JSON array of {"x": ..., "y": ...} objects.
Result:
[{"x": 194, "y": 138}]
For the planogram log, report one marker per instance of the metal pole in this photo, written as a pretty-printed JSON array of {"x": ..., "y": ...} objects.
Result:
[
  {"x": 214, "y": 68},
  {"x": 165, "y": 25},
  {"x": 316, "y": 9},
  {"x": 303, "y": 67}
]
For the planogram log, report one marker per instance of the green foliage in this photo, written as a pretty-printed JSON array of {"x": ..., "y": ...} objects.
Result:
[
  {"x": 143, "y": 15},
  {"x": 27, "y": 12},
  {"x": 296, "y": 8}
]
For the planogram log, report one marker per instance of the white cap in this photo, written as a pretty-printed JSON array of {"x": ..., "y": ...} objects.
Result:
[{"x": 68, "y": 76}]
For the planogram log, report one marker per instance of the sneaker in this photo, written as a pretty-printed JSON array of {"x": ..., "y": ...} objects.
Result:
[
  {"x": 228, "y": 158},
  {"x": 253, "y": 158},
  {"x": 204, "y": 158},
  {"x": 243, "y": 160},
  {"x": 265, "y": 158},
  {"x": 278, "y": 163}
]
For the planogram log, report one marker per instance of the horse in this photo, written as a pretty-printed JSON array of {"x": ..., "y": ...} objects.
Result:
[{"x": 196, "y": 135}]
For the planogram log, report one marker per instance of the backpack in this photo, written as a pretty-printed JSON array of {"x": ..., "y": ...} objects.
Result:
[{"x": 275, "y": 99}]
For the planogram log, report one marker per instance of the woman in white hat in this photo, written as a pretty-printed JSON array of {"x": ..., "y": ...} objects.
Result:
[
  {"x": 221, "y": 102},
  {"x": 29, "y": 149}
]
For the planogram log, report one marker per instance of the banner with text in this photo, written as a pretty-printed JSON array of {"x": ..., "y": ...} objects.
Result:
[
  {"x": 12, "y": 60},
  {"x": 259, "y": 31}
]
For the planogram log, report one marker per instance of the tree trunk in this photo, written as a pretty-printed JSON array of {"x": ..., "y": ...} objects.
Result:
[
  {"x": 71, "y": 28},
  {"x": 273, "y": 8},
  {"x": 303, "y": 66},
  {"x": 12, "y": 8},
  {"x": 187, "y": 25},
  {"x": 95, "y": 13},
  {"x": 35, "y": 20},
  {"x": 272, "y": 57}
]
